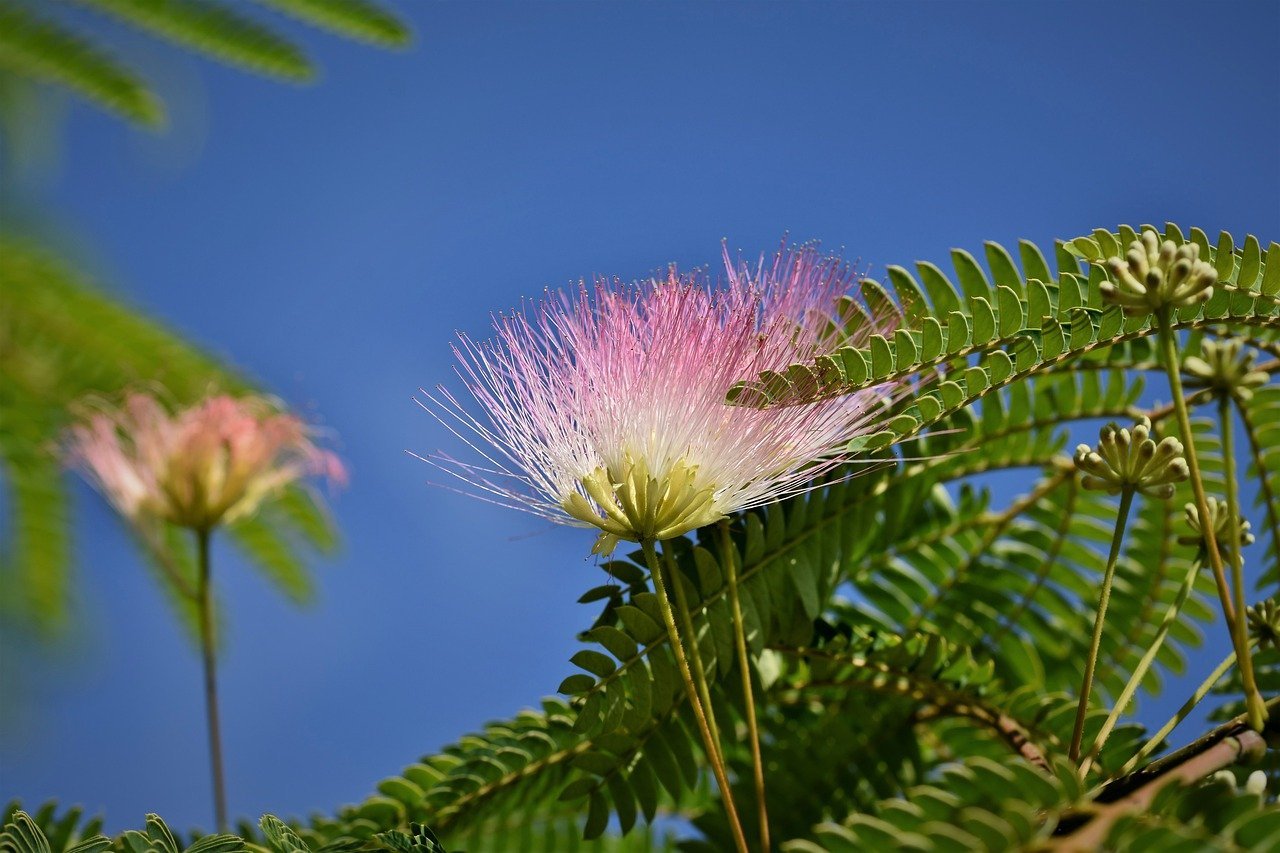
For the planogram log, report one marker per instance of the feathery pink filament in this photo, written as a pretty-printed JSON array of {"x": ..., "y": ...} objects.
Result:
[
  {"x": 623, "y": 389},
  {"x": 210, "y": 463}
]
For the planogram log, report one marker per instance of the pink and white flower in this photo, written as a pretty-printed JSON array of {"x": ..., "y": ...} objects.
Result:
[
  {"x": 606, "y": 408},
  {"x": 208, "y": 464}
]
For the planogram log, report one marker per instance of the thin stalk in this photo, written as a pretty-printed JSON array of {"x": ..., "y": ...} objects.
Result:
[
  {"x": 695, "y": 655},
  {"x": 682, "y": 663},
  {"x": 1139, "y": 672},
  {"x": 204, "y": 601},
  {"x": 1169, "y": 353},
  {"x": 1257, "y": 709},
  {"x": 1153, "y": 743},
  {"x": 1091, "y": 662},
  {"x": 744, "y": 670}
]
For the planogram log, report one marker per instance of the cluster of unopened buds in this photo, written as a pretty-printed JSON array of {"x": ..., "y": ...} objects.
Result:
[
  {"x": 1219, "y": 516},
  {"x": 1155, "y": 275},
  {"x": 1264, "y": 624},
  {"x": 1130, "y": 459},
  {"x": 1226, "y": 368}
]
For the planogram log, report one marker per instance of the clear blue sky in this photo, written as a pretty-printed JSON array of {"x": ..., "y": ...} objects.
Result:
[{"x": 330, "y": 240}]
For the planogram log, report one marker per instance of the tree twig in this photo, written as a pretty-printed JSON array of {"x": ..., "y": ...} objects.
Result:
[{"x": 1243, "y": 744}]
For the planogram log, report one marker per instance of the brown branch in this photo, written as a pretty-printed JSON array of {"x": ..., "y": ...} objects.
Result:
[
  {"x": 1010, "y": 730},
  {"x": 1230, "y": 743},
  {"x": 1243, "y": 746}
]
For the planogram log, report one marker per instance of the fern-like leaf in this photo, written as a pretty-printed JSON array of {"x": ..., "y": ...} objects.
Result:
[
  {"x": 35, "y": 47},
  {"x": 359, "y": 19},
  {"x": 210, "y": 27}
]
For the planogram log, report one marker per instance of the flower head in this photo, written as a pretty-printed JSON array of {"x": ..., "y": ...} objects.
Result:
[
  {"x": 1131, "y": 459},
  {"x": 1155, "y": 275},
  {"x": 607, "y": 408},
  {"x": 211, "y": 463}
]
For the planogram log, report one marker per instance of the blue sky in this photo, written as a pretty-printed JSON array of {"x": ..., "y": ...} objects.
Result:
[{"x": 330, "y": 240}]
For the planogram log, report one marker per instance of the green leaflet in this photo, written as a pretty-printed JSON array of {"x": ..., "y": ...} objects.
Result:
[{"x": 936, "y": 344}]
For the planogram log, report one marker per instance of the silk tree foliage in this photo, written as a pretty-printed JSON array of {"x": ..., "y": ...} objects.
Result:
[
  {"x": 916, "y": 645},
  {"x": 40, "y": 43}
]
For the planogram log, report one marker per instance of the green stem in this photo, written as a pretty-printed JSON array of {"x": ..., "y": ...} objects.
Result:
[
  {"x": 1091, "y": 662},
  {"x": 1153, "y": 743},
  {"x": 1235, "y": 620},
  {"x": 682, "y": 663},
  {"x": 1135, "y": 680},
  {"x": 695, "y": 654},
  {"x": 744, "y": 671},
  {"x": 1257, "y": 708},
  {"x": 204, "y": 601}
]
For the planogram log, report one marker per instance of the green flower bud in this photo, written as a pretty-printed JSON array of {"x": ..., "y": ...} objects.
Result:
[
  {"x": 1155, "y": 275},
  {"x": 1225, "y": 367},
  {"x": 1131, "y": 459},
  {"x": 1219, "y": 515},
  {"x": 1264, "y": 624}
]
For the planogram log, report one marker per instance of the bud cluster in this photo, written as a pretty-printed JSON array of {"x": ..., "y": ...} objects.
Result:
[
  {"x": 1154, "y": 275},
  {"x": 1218, "y": 515},
  {"x": 1225, "y": 367},
  {"x": 1131, "y": 459},
  {"x": 1264, "y": 624}
]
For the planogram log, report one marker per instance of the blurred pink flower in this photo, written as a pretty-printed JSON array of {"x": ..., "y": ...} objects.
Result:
[
  {"x": 607, "y": 408},
  {"x": 207, "y": 464}
]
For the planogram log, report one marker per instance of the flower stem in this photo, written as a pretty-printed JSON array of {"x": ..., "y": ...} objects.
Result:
[
  {"x": 204, "y": 601},
  {"x": 682, "y": 663},
  {"x": 1235, "y": 620},
  {"x": 1257, "y": 708},
  {"x": 744, "y": 671},
  {"x": 1139, "y": 672},
  {"x": 695, "y": 655},
  {"x": 1091, "y": 662}
]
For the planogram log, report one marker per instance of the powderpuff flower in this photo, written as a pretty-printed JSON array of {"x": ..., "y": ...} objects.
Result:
[
  {"x": 607, "y": 408},
  {"x": 208, "y": 464}
]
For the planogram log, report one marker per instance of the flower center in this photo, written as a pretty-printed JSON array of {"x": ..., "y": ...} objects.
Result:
[{"x": 631, "y": 503}]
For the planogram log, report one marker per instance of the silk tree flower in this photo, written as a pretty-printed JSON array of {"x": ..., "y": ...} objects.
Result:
[
  {"x": 211, "y": 463},
  {"x": 606, "y": 408}
]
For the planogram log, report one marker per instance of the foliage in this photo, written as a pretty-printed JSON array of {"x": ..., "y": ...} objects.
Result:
[
  {"x": 38, "y": 46},
  {"x": 45, "y": 832}
]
